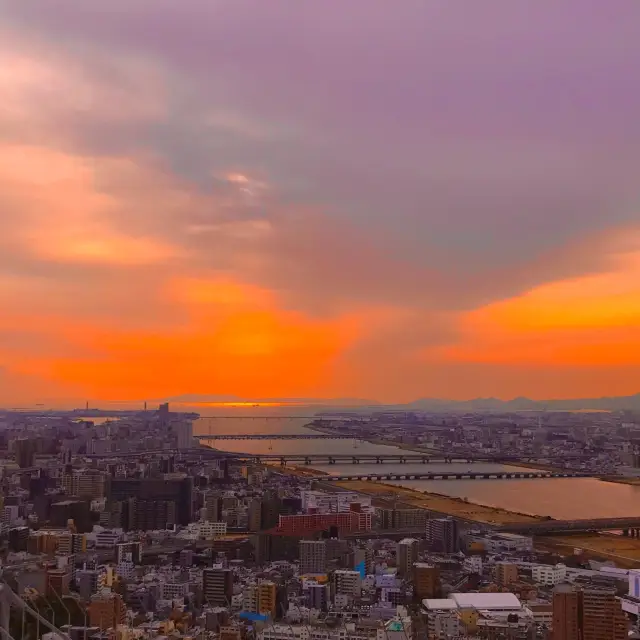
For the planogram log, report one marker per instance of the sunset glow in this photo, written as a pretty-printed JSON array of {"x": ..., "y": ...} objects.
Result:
[{"x": 205, "y": 211}]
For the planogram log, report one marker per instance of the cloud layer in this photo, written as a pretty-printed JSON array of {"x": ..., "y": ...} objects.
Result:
[{"x": 370, "y": 199}]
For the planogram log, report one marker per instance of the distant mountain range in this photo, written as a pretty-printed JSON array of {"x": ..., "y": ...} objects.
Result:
[{"x": 615, "y": 403}]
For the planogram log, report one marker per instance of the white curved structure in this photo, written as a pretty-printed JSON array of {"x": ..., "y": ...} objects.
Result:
[{"x": 10, "y": 599}]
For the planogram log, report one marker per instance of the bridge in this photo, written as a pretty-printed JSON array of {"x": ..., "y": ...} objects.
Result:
[
  {"x": 204, "y": 452},
  {"x": 371, "y": 458},
  {"x": 500, "y": 475},
  {"x": 546, "y": 527},
  {"x": 274, "y": 436}
]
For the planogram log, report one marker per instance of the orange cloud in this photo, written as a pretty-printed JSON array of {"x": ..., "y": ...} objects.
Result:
[
  {"x": 237, "y": 340},
  {"x": 60, "y": 215},
  {"x": 592, "y": 320}
]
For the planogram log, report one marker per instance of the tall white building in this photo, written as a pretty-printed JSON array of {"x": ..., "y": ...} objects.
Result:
[{"x": 549, "y": 575}]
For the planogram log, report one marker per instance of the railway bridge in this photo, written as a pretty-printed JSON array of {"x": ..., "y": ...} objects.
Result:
[
  {"x": 499, "y": 475},
  {"x": 275, "y": 436},
  {"x": 395, "y": 458}
]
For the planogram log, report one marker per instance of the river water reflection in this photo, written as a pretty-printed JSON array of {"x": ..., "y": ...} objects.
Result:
[{"x": 563, "y": 498}]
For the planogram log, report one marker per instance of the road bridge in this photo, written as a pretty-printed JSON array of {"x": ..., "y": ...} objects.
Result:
[
  {"x": 204, "y": 452},
  {"x": 547, "y": 527},
  {"x": 499, "y": 475}
]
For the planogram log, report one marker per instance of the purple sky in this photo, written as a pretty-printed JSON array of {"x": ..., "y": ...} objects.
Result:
[{"x": 428, "y": 156}]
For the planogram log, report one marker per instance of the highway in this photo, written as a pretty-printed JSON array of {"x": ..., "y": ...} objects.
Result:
[
  {"x": 543, "y": 527},
  {"x": 324, "y": 418}
]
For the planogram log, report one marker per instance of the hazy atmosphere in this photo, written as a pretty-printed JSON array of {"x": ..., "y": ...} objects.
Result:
[{"x": 277, "y": 198}]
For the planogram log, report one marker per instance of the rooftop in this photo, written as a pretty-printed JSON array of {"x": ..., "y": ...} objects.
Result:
[
  {"x": 439, "y": 604},
  {"x": 486, "y": 601}
]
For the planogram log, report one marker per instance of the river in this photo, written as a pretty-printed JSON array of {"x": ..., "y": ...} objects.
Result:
[{"x": 562, "y": 498}]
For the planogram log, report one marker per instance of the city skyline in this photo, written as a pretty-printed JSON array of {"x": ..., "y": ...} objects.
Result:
[{"x": 274, "y": 200}]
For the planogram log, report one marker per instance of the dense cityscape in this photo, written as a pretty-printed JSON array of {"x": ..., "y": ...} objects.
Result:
[{"x": 134, "y": 526}]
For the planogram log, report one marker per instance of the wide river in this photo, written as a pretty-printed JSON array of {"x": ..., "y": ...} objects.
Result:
[{"x": 565, "y": 498}]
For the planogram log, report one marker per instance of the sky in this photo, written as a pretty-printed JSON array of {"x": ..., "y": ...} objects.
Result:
[{"x": 370, "y": 199}]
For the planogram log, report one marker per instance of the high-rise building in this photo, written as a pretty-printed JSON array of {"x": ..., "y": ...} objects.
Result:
[
  {"x": 129, "y": 552},
  {"x": 442, "y": 535},
  {"x": 261, "y": 598},
  {"x": 183, "y": 431},
  {"x": 19, "y": 539},
  {"x": 589, "y": 614},
  {"x": 267, "y": 598},
  {"x": 25, "y": 451},
  {"x": 269, "y": 547},
  {"x": 347, "y": 582},
  {"x": 107, "y": 610},
  {"x": 313, "y": 556},
  {"x": 602, "y": 616},
  {"x": 58, "y": 581},
  {"x": 84, "y": 483},
  {"x": 70, "y": 543},
  {"x": 72, "y": 512},
  {"x": 213, "y": 506},
  {"x": 318, "y": 596},
  {"x": 506, "y": 573},
  {"x": 271, "y": 510},
  {"x": 426, "y": 581},
  {"x": 217, "y": 586},
  {"x": 401, "y": 518},
  {"x": 254, "y": 515},
  {"x": 363, "y": 555},
  {"x": 406, "y": 556},
  {"x": 157, "y": 503},
  {"x": 337, "y": 552}
]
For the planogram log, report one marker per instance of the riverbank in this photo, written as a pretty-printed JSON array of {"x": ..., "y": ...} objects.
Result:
[
  {"x": 299, "y": 472},
  {"x": 625, "y": 552},
  {"x": 442, "y": 504},
  {"x": 634, "y": 482}
]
